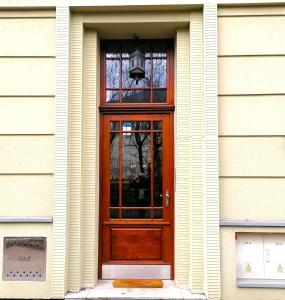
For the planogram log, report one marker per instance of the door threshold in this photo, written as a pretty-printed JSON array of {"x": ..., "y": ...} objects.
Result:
[{"x": 105, "y": 290}]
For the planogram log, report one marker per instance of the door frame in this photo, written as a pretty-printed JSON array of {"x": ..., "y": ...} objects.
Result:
[{"x": 171, "y": 180}]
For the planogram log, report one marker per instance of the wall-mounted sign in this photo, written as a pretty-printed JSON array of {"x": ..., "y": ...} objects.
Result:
[{"x": 24, "y": 258}]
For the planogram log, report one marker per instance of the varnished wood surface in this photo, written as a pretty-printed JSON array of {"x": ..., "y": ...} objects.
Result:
[{"x": 137, "y": 283}]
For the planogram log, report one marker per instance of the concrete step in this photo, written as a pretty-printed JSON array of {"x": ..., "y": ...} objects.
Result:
[{"x": 104, "y": 290}]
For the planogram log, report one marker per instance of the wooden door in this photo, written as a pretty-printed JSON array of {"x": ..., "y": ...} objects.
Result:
[{"x": 137, "y": 197}]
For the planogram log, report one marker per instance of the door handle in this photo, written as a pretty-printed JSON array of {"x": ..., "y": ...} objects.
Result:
[{"x": 167, "y": 198}]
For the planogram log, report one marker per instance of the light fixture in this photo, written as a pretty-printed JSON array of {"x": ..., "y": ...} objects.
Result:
[{"x": 137, "y": 65}]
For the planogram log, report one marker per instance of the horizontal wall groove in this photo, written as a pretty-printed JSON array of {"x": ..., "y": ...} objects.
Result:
[
  {"x": 27, "y": 56},
  {"x": 26, "y": 96},
  {"x": 248, "y": 177},
  {"x": 251, "y": 135},
  {"x": 250, "y": 15},
  {"x": 28, "y": 17},
  {"x": 28, "y": 134},
  {"x": 252, "y": 223},
  {"x": 262, "y": 94},
  {"x": 26, "y": 174},
  {"x": 251, "y": 55},
  {"x": 26, "y": 220}
]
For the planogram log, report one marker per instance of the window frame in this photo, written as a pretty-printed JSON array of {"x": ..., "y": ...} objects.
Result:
[{"x": 156, "y": 106}]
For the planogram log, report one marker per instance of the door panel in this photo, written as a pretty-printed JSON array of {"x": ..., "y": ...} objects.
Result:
[{"x": 137, "y": 189}]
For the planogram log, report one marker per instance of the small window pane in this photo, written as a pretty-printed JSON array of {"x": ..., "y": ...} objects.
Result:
[
  {"x": 159, "y": 96},
  {"x": 159, "y": 72},
  {"x": 112, "y": 96},
  {"x": 112, "y": 73},
  {"x": 157, "y": 125},
  {"x": 131, "y": 83},
  {"x": 136, "y": 96},
  {"x": 157, "y": 214},
  {"x": 114, "y": 169},
  {"x": 129, "y": 125},
  {"x": 115, "y": 125},
  {"x": 136, "y": 169},
  {"x": 114, "y": 213},
  {"x": 159, "y": 49},
  {"x": 135, "y": 214},
  {"x": 157, "y": 169}
]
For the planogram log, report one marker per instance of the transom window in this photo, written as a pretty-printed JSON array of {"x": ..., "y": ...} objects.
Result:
[{"x": 155, "y": 87}]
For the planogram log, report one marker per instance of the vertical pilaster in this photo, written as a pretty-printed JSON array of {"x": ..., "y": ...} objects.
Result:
[
  {"x": 60, "y": 206},
  {"x": 196, "y": 151},
  {"x": 182, "y": 160},
  {"x": 75, "y": 154},
  {"x": 90, "y": 165},
  {"x": 211, "y": 160}
]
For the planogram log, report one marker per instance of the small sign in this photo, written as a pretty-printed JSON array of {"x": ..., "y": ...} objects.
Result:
[{"x": 24, "y": 258}]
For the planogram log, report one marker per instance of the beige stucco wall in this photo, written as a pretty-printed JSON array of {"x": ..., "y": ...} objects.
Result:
[
  {"x": 251, "y": 129},
  {"x": 27, "y": 116}
]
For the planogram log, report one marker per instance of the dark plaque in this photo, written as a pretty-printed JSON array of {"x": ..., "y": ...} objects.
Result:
[{"x": 24, "y": 258}]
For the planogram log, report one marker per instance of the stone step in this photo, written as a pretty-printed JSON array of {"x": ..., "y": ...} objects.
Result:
[{"x": 104, "y": 290}]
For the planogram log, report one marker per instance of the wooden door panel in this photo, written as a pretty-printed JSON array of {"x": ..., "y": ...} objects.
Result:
[{"x": 136, "y": 244}]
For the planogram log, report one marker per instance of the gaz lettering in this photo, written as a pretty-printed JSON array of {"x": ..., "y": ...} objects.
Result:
[{"x": 24, "y": 258}]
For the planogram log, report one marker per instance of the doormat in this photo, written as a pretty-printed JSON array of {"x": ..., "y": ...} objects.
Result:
[{"x": 137, "y": 283}]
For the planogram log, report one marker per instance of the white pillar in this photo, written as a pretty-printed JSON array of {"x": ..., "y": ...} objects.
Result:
[
  {"x": 59, "y": 263},
  {"x": 211, "y": 160}
]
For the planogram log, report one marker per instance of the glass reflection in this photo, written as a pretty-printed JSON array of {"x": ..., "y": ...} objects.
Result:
[
  {"x": 136, "y": 169},
  {"x": 136, "y": 96},
  {"x": 159, "y": 96},
  {"x": 112, "y": 73},
  {"x": 130, "y": 125},
  {"x": 136, "y": 214},
  {"x": 157, "y": 169},
  {"x": 128, "y": 82},
  {"x": 157, "y": 125},
  {"x": 114, "y": 213},
  {"x": 112, "y": 96},
  {"x": 157, "y": 214},
  {"x": 114, "y": 169},
  {"x": 159, "y": 72}
]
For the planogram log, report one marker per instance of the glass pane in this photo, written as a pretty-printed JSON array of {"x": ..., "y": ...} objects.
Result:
[
  {"x": 157, "y": 125},
  {"x": 136, "y": 96},
  {"x": 157, "y": 169},
  {"x": 159, "y": 96},
  {"x": 114, "y": 169},
  {"x": 129, "y": 46},
  {"x": 112, "y": 49},
  {"x": 159, "y": 48},
  {"x": 112, "y": 73},
  {"x": 135, "y": 214},
  {"x": 157, "y": 214},
  {"x": 129, "y": 125},
  {"x": 115, "y": 125},
  {"x": 114, "y": 213},
  {"x": 159, "y": 72},
  {"x": 112, "y": 96},
  {"x": 131, "y": 83},
  {"x": 136, "y": 169}
]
